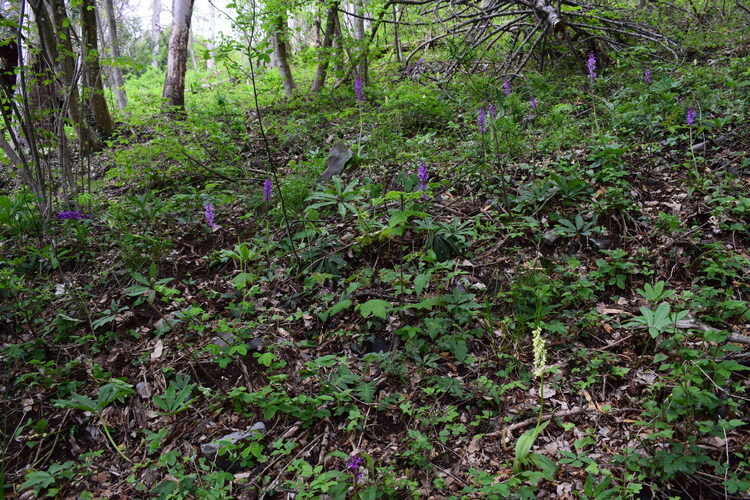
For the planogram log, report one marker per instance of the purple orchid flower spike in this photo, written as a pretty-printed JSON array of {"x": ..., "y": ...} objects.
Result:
[
  {"x": 355, "y": 465},
  {"x": 690, "y": 117},
  {"x": 72, "y": 215},
  {"x": 592, "y": 66},
  {"x": 423, "y": 176},
  {"x": 209, "y": 215},
  {"x": 482, "y": 120},
  {"x": 358, "y": 90},
  {"x": 267, "y": 191}
]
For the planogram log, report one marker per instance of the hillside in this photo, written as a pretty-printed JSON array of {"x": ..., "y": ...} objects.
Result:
[{"x": 533, "y": 288}]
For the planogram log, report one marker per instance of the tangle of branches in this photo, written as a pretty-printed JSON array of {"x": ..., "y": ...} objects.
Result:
[{"x": 528, "y": 27}]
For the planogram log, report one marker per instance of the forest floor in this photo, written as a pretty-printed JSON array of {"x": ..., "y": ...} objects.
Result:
[{"x": 560, "y": 310}]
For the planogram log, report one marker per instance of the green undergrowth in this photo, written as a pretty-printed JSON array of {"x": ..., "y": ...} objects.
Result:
[{"x": 561, "y": 305}]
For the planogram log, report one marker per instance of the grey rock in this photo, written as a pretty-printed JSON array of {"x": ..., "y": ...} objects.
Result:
[
  {"x": 224, "y": 339},
  {"x": 550, "y": 236},
  {"x": 211, "y": 450},
  {"x": 601, "y": 243},
  {"x": 144, "y": 390},
  {"x": 337, "y": 158},
  {"x": 228, "y": 339}
]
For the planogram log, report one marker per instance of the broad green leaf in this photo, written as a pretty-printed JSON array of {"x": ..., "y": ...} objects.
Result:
[
  {"x": 374, "y": 307},
  {"x": 78, "y": 402},
  {"x": 421, "y": 281},
  {"x": 244, "y": 279},
  {"x": 460, "y": 350},
  {"x": 37, "y": 479},
  {"x": 543, "y": 463}
]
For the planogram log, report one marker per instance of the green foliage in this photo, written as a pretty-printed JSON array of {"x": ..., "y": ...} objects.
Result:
[
  {"x": 409, "y": 315},
  {"x": 177, "y": 397},
  {"x": 412, "y": 108},
  {"x": 658, "y": 321}
]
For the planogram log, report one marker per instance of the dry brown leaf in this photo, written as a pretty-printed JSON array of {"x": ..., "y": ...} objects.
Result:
[{"x": 158, "y": 350}]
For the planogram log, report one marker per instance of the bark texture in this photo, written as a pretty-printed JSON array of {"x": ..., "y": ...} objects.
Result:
[
  {"x": 55, "y": 41},
  {"x": 155, "y": 32},
  {"x": 117, "y": 79},
  {"x": 360, "y": 52},
  {"x": 211, "y": 42},
  {"x": 92, "y": 75},
  {"x": 281, "y": 53},
  {"x": 174, "y": 83},
  {"x": 324, "y": 53}
]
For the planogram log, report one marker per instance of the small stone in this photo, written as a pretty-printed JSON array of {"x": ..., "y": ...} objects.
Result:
[
  {"x": 601, "y": 243},
  {"x": 211, "y": 450},
  {"x": 337, "y": 158},
  {"x": 550, "y": 237},
  {"x": 143, "y": 389}
]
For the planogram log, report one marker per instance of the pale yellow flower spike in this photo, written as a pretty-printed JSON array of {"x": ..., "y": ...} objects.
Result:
[{"x": 540, "y": 352}]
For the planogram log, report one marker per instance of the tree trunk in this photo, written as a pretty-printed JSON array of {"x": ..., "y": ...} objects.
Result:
[
  {"x": 338, "y": 49},
  {"x": 324, "y": 53},
  {"x": 117, "y": 79},
  {"x": 396, "y": 38},
  {"x": 358, "y": 28},
  {"x": 211, "y": 42},
  {"x": 317, "y": 26},
  {"x": 92, "y": 76},
  {"x": 191, "y": 50},
  {"x": 550, "y": 13},
  {"x": 56, "y": 44},
  {"x": 174, "y": 83},
  {"x": 155, "y": 32},
  {"x": 282, "y": 58}
]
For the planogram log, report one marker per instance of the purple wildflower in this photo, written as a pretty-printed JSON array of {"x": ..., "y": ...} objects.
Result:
[
  {"x": 209, "y": 214},
  {"x": 690, "y": 116},
  {"x": 423, "y": 176},
  {"x": 73, "y": 215},
  {"x": 592, "y": 66},
  {"x": 506, "y": 88},
  {"x": 482, "y": 120},
  {"x": 358, "y": 89},
  {"x": 355, "y": 464},
  {"x": 647, "y": 76},
  {"x": 492, "y": 111},
  {"x": 267, "y": 191},
  {"x": 533, "y": 102}
]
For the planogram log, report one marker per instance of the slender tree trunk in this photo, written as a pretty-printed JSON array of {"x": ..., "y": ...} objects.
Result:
[
  {"x": 155, "y": 32},
  {"x": 338, "y": 49},
  {"x": 92, "y": 76},
  {"x": 317, "y": 26},
  {"x": 55, "y": 39},
  {"x": 211, "y": 42},
  {"x": 117, "y": 79},
  {"x": 191, "y": 49},
  {"x": 396, "y": 38},
  {"x": 324, "y": 54},
  {"x": 174, "y": 83},
  {"x": 358, "y": 25},
  {"x": 282, "y": 58}
]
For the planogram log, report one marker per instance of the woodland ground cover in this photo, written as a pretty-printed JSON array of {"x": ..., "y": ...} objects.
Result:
[{"x": 526, "y": 289}]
